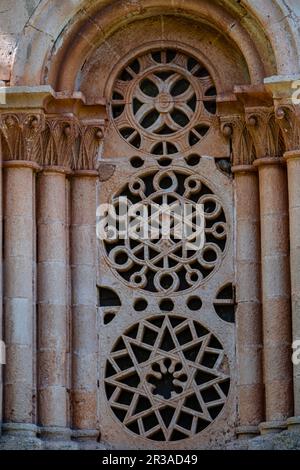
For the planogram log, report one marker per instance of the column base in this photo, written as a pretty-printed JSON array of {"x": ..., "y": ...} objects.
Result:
[
  {"x": 274, "y": 436},
  {"x": 247, "y": 432},
  {"x": 20, "y": 436},
  {"x": 293, "y": 424},
  {"x": 87, "y": 439},
  {"x": 57, "y": 438},
  {"x": 272, "y": 427}
]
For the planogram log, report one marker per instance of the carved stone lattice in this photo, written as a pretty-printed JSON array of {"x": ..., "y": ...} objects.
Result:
[
  {"x": 167, "y": 378},
  {"x": 163, "y": 102},
  {"x": 167, "y": 264}
]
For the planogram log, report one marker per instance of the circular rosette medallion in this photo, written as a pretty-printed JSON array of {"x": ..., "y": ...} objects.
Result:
[
  {"x": 167, "y": 378},
  {"x": 163, "y": 102},
  {"x": 166, "y": 232}
]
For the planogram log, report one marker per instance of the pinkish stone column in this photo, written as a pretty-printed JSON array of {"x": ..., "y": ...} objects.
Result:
[
  {"x": 84, "y": 306},
  {"x": 19, "y": 240},
  {"x": 52, "y": 305},
  {"x": 2, "y": 346},
  {"x": 248, "y": 317},
  {"x": 293, "y": 167},
  {"x": 276, "y": 292}
]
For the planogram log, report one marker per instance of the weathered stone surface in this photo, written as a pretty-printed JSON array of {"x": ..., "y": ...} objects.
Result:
[{"x": 138, "y": 98}]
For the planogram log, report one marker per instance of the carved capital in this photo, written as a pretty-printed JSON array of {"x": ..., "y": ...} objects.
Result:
[
  {"x": 21, "y": 136},
  {"x": 243, "y": 150},
  {"x": 288, "y": 119},
  {"x": 265, "y": 132},
  {"x": 90, "y": 141},
  {"x": 60, "y": 140}
]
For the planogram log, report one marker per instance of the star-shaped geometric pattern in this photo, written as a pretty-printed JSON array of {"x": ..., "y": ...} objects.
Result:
[{"x": 167, "y": 378}]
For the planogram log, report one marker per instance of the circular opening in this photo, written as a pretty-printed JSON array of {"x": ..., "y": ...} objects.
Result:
[
  {"x": 192, "y": 183},
  {"x": 136, "y": 185},
  {"x": 165, "y": 182},
  {"x": 136, "y": 162},
  {"x": 137, "y": 279},
  {"x": 166, "y": 281},
  {"x": 121, "y": 258},
  {"x": 166, "y": 305},
  {"x": 193, "y": 160},
  {"x": 210, "y": 255},
  {"x": 210, "y": 206},
  {"x": 194, "y": 277},
  {"x": 194, "y": 303},
  {"x": 140, "y": 305}
]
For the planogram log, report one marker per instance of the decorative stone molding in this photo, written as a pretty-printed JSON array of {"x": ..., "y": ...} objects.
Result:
[{"x": 51, "y": 129}]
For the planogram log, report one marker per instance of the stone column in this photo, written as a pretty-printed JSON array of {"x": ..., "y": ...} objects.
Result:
[
  {"x": 19, "y": 236},
  {"x": 2, "y": 345},
  {"x": 249, "y": 321},
  {"x": 84, "y": 307},
  {"x": 52, "y": 308},
  {"x": 293, "y": 166},
  {"x": 276, "y": 290}
]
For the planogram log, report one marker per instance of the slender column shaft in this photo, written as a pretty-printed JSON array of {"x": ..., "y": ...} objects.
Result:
[
  {"x": 276, "y": 290},
  {"x": 84, "y": 304},
  {"x": 2, "y": 347},
  {"x": 18, "y": 293},
  {"x": 293, "y": 166},
  {"x": 52, "y": 301},
  {"x": 249, "y": 321}
]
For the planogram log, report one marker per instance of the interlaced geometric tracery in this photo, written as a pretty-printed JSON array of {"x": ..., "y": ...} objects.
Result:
[
  {"x": 163, "y": 102},
  {"x": 167, "y": 264},
  {"x": 167, "y": 378}
]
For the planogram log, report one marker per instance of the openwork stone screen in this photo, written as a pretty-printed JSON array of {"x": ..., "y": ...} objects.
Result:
[
  {"x": 167, "y": 378},
  {"x": 166, "y": 310},
  {"x": 167, "y": 265},
  {"x": 163, "y": 102}
]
